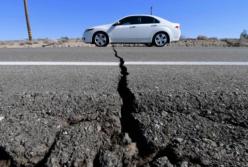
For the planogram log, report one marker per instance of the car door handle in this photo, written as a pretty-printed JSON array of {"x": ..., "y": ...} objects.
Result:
[
  {"x": 132, "y": 27},
  {"x": 154, "y": 25}
]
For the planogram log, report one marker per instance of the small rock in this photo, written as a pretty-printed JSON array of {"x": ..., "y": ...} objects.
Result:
[
  {"x": 163, "y": 161},
  {"x": 205, "y": 162},
  {"x": 109, "y": 159},
  {"x": 156, "y": 87},
  {"x": 184, "y": 164},
  {"x": 1, "y": 118},
  {"x": 157, "y": 126},
  {"x": 127, "y": 139},
  {"x": 132, "y": 149},
  {"x": 209, "y": 112},
  {"x": 164, "y": 113},
  {"x": 197, "y": 127},
  {"x": 99, "y": 128},
  {"x": 211, "y": 142},
  {"x": 107, "y": 124},
  {"x": 179, "y": 140}
]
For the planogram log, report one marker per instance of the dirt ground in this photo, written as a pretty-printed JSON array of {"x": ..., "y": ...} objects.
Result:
[{"x": 66, "y": 43}]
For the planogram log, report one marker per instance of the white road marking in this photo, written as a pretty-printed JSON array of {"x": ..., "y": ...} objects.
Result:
[{"x": 169, "y": 63}]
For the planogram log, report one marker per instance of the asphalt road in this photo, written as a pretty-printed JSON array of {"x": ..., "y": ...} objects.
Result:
[
  {"x": 129, "y": 54},
  {"x": 90, "y": 115},
  {"x": 97, "y": 79}
]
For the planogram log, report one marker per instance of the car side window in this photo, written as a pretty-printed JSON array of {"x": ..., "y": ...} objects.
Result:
[
  {"x": 148, "y": 20},
  {"x": 130, "y": 20}
]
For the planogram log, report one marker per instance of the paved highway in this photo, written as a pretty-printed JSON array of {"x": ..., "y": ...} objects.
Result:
[
  {"x": 193, "y": 115},
  {"x": 104, "y": 78},
  {"x": 129, "y": 54}
]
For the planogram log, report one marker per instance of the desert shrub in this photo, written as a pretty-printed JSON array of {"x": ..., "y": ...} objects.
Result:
[
  {"x": 42, "y": 39},
  {"x": 183, "y": 37},
  {"x": 202, "y": 37},
  {"x": 29, "y": 43},
  {"x": 213, "y": 38},
  {"x": 35, "y": 42},
  {"x": 64, "y": 39},
  {"x": 244, "y": 34},
  {"x": 46, "y": 42}
]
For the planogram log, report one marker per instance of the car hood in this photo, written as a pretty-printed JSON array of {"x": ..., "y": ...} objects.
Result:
[{"x": 103, "y": 27}]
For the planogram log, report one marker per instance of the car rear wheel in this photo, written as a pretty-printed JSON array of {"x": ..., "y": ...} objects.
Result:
[
  {"x": 101, "y": 39},
  {"x": 160, "y": 39}
]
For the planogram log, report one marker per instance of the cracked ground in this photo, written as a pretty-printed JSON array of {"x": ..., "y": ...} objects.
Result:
[{"x": 126, "y": 116}]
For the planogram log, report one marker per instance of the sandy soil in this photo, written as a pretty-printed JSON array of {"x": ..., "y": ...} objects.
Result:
[
  {"x": 63, "y": 43},
  {"x": 43, "y": 43}
]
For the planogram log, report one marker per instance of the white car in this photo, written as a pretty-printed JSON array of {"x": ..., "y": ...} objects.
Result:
[{"x": 147, "y": 29}]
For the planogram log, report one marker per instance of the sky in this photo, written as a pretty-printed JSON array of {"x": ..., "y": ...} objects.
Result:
[{"x": 59, "y": 18}]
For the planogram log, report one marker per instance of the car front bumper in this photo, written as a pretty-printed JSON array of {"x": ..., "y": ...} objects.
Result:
[{"x": 87, "y": 37}]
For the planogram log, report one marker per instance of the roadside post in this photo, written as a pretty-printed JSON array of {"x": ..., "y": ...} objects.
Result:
[{"x": 27, "y": 20}]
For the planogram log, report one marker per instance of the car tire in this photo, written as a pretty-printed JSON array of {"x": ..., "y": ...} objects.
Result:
[
  {"x": 160, "y": 39},
  {"x": 101, "y": 39}
]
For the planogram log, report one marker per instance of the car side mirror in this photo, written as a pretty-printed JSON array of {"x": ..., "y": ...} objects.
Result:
[{"x": 116, "y": 24}]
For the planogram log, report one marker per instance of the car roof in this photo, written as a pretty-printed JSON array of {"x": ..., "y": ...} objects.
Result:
[{"x": 156, "y": 17}]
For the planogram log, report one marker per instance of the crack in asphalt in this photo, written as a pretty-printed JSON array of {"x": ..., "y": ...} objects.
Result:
[
  {"x": 96, "y": 160},
  {"x": 76, "y": 121},
  {"x": 147, "y": 151},
  {"x": 230, "y": 121},
  {"x": 129, "y": 124},
  {"x": 6, "y": 159},
  {"x": 174, "y": 158},
  {"x": 43, "y": 161},
  {"x": 71, "y": 122}
]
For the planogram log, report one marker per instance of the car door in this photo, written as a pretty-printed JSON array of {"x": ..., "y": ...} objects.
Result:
[
  {"x": 125, "y": 31},
  {"x": 138, "y": 29},
  {"x": 146, "y": 29}
]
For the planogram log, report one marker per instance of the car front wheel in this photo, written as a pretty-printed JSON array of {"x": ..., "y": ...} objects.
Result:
[
  {"x": 160, "y": 39},
  {"x": 101, "y": 39}
]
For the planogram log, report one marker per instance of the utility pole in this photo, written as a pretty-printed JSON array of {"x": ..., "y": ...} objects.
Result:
[
  {"x": 27, "y": 20},
  {"x": 151, "y": 10}
]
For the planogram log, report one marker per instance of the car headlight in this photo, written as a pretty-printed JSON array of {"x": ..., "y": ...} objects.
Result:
[{"x": 90, "y": 29}]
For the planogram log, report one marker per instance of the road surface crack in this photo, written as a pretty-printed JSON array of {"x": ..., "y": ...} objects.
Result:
[
  {"x": 70, "y": 122},
  {"x": 43, "y": 161},
  {"x": 129, "y": 124},
  {"x": 170, "y": 152},
  {"x": 6, "y": 159},
  {"x": 147, "y": 151}
]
